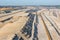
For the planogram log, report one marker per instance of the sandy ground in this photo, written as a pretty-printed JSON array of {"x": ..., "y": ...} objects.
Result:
[
  {"x": 9, "y": 28},
  {"x": 12, "y": 28}
]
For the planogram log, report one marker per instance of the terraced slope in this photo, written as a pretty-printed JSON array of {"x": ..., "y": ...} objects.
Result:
[{"x": 41, "y": 24}]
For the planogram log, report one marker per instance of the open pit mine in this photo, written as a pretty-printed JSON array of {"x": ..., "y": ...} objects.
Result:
[{"x": 30, "y": 23}]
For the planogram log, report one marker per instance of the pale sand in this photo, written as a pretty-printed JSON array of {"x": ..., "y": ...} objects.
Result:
[{"x": 12, "y": 28}]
